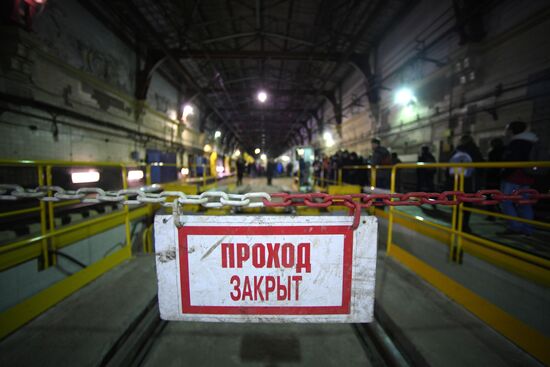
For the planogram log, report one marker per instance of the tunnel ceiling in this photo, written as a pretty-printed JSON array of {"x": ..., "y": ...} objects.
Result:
[{"x": 222, "y": 52}]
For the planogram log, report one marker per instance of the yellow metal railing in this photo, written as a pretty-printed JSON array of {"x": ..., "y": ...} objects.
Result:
[
  {"x": 527, "y": 265},
  {"x": 43, "y": 245},
  {"x": 458, "y": 211},
  {"x": 372, "y": 168}
]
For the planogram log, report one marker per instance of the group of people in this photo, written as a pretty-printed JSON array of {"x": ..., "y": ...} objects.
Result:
[
  {"x": 521, "y": 146},
  {"x": 327, "y": 167},
  {"x": 270, "y": 169}
]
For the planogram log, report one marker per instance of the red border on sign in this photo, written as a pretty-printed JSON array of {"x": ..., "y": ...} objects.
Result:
[{"x": 187, "y": 308}]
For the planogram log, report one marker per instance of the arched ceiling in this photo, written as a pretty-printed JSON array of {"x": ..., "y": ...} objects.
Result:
[{"x": 224, "y": 51}]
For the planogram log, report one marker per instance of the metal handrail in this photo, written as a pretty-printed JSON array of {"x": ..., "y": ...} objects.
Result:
[{"x": 457, "y": 214}]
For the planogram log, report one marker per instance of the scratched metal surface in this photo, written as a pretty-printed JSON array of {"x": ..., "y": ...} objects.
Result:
[{"x": 169, "y": 282}]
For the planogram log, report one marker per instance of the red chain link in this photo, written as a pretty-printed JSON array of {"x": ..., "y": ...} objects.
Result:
[{"x": 355, "y": 202}]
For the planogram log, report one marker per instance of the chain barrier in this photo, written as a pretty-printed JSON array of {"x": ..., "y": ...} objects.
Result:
[{"x": 218, "y": 199}]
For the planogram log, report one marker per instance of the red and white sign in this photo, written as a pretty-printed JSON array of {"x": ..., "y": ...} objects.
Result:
[{"x": 266, "y": 268}]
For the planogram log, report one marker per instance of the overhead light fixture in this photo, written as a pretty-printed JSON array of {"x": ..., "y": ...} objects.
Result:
[
  {"x": 263, "y": 157},
  {"x": 404, "y": 97},
  {"x": 329, "y": 141},
  {"x": 188, "y": 110},
  {"x": 262, "y": 96},
  {"x": 237, "y": 153},
  {"x": 184, "y": 171},
  {"x": 172, "y": 114},
  {"x": 285, "y": 158},
  {"x": 217, "y": 134},
  {"x": 85, "y": 177},
  {"x": 300, "y": 151},
  {"x": 207, "y": 148},
  {"x": 257, "y": 151},
  {"x": 135, "y": 175}
]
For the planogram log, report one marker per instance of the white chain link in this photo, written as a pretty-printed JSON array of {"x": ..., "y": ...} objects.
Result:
[{"x": 143, "y": 195}]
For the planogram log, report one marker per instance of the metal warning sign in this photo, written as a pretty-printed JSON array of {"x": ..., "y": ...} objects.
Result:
[{"x": 266, "y": 268}]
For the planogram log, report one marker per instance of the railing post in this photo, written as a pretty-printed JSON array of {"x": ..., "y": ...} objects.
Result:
[
  {"x": 458, "y": 247},
  {"x": 148, "y": 178},
  {"x": 127, "y": 226},
  {"x": 43, "y": 222},
  {"x": 372, "y": 177},
  {"x": 340, "y": 176},
  {"x": 454, "y": 217},
  {"x": 390, "y": 212},
  {"x": 51, "y": 216}
]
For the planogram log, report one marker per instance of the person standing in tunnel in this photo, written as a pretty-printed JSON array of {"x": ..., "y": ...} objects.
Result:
[
  {"x": 240, "y": 171},
  {"x": 425, "y": 176},
  {"x": 270, "y": 170},
  {"x": 521, "y": 142},
  {"x": 466, "y": 152},
  {"x": 380, "y": 157},
  {"x": 492, "y": 175}
]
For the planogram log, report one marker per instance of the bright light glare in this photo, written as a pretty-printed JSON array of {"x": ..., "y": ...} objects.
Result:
[
  {"x": 135, "y": 175},
  {"x": 257, "y": 151},
  {"x": 207, "y": 148},
  {"x": 85, "y": 177},
  {"x": 285, "y": 158},
  {"x": 188, "y": 110},
  {"x": 237, "y": 153},
  {"x": 185, "y": 171},
  {"x": 217, "y": 134},
  {"x": 262, "y": 96},
  {"x": 404, "y": 96},
  {"x": 172, "y": 115},
  {"x": 419, "y": 218},
  {"x": 300, "y": 151},
  {"x": 220, "y": 169},
  {"x": 263, "y": 157},
  {"x": 329, "y": 141}
]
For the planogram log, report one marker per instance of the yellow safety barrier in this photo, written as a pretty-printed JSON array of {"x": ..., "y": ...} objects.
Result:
[
  {"x": 43, "y": 246},
  {"x": 52, "y": 238},
  {"x": 526, "y": 265}
]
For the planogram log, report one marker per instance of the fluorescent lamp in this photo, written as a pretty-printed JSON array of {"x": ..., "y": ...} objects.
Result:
[
  {"x": 135, "y": 175},
  {"x": 262, "y": 96},
  {"x": 85, "y": 177},
  {"x": 404, "y": 97},
  {"x": 172, "y": 114},
  {"x": 188, "y": 110}
]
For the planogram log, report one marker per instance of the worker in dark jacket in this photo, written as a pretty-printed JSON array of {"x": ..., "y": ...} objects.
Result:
[
  {"x": 425, "y": 176},
  {"x": 466, "y": 152},
  {"x": 518, "y": 150},
  {"x": 492, "y": 175},
  {"x": 380, "y": 157},
  {"x": 240, "y": 171},
  {"x": 270, "y": 171}
]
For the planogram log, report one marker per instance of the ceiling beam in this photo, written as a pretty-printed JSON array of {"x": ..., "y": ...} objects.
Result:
[
  {"x": 250, "y": 92},
  {"x": 258, "y": 55},
  {"x": 264, "y": 110}
]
